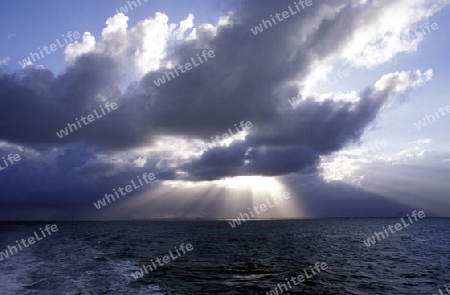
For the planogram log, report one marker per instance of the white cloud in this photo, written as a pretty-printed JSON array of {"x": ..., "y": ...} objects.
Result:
[
  {"x": 400, "y": 82},
  {"x": 149, "y": 41},
  {"x": 185, "y": 25},
  {"x": 76, "y": 49},
  {"x": 4, "y": 61},
  {"x": 347, "y": 164},
  {"x": 140, "y": 162},
  {"x": 142, "y": 48},
  {"x": 403, "y": 80},
  {"x": 344, "y": 166},
  {"x": 384, "y": 26},
  {"x": 381, "y": 33}
]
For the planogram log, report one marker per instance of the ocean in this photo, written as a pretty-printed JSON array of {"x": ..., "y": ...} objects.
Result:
[{"x": 252, "y": 258}]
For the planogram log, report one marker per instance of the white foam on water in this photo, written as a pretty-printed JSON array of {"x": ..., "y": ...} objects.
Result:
[{"x": 14, "y": 272}]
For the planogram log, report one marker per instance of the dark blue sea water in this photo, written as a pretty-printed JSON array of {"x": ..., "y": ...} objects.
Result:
[{"x": 99, "y": 257}]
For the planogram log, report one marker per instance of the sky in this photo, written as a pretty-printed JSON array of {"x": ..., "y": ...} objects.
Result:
[{"x": 328, "y": 103}]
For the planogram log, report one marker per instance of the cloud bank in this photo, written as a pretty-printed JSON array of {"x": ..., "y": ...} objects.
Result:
[{"x": 251, "y": 78}]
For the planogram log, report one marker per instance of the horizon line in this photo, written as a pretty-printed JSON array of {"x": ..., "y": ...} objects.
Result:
[{"x": 209, "y": 219}]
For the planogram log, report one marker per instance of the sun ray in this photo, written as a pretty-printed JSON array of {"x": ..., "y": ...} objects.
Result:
[{"x": 225, "y": 198}]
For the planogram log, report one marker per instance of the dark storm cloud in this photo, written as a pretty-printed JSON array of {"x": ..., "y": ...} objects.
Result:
[
  {"x": 297, "y": 138},
  {"x": 240, "y": 160},
  {"x": 72, "y": 158},
  {"x": 243, "y": 82},
  {"x": 38, "y": 103},
  {"x": 57, "y": 187}
]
